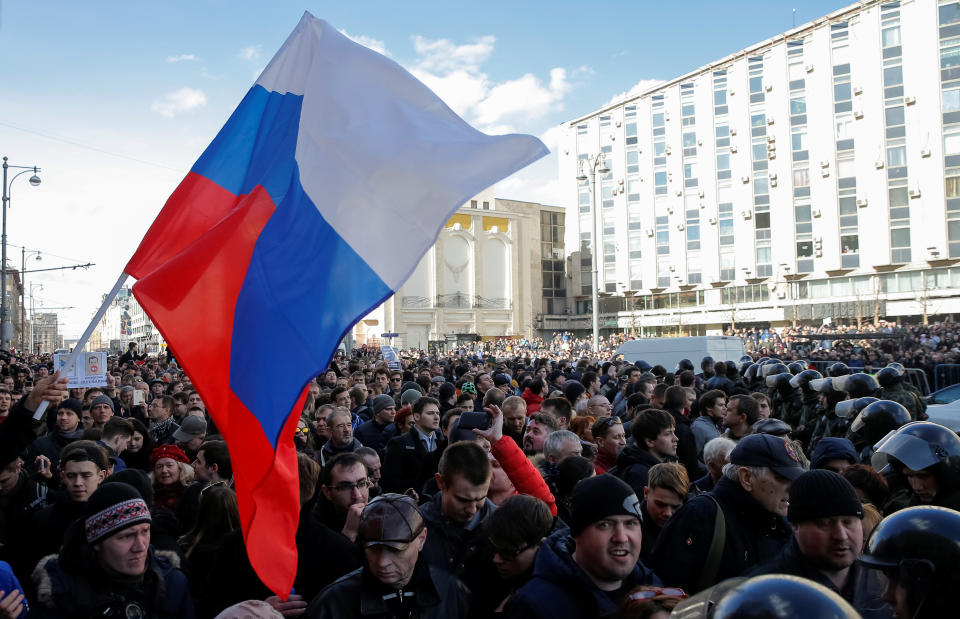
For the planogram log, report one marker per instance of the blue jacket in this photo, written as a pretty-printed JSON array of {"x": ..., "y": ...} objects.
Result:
[
  {"x": 560, "y": 587},
  {"x": 374, "y": 435}
]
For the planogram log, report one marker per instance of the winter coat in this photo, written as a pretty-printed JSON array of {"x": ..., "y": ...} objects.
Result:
[
  {"x": 863, "y": 590},
  {"x": 754, "y": 535},
  {"x": 633, "y": 467},
  {"x": 686, "y": 445},
  {"x": 436, "y": 595},
  {"x": 533, "y": 401},
  {"x": 704, "y": 430},
  {"x": 407, "y": 464},
  {"x": 374, "y": 435},
  {"x": 560, "y": 587},
  {"x": 76, "y": 587},
  {"x": 50, "y": 445},
  {"x": 328, "y": 450},
  {"x": 451, "y": 545},
  {"x": 522, "y": 473}
]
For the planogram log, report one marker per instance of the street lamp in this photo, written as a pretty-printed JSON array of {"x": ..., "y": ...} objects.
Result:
[
  {"x": 5, "y": 325},
  {"x": 23, "y": 284},
  {"x": 598, "y": 164}
]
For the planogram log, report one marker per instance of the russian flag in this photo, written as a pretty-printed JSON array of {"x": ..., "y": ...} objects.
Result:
[{"x": 312, "y": 205}]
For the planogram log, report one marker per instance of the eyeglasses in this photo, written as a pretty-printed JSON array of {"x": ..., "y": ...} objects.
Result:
[
  {"x": 346, "y": 486},
  {"x": 510, "y": 555},
  {"x": 649, "y": 594}
]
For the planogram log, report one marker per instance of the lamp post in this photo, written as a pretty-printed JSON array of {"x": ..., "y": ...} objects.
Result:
[
  {"x": 5, "y": 330},
  {"x": 23, "y": 284},
  {"x": 597, "y": 164}
]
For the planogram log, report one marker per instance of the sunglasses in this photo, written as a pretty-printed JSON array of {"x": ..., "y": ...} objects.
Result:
[
  {"x": 303, "y": 430},
  {"x": 510, "y": 554}
]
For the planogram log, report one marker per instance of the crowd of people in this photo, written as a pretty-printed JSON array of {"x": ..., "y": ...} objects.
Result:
[{"x": 495, "y": 482}]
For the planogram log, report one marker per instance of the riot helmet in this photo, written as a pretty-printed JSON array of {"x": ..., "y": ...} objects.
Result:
[
  {"x": 775, "y": 427},
  {"x": 838, "y": 369},
  {"x": 772, "y": 369},
  {"x": 890, "y": 376},
  {"x": 802, "y": 380},
  {"x": 878, "y": 418},
  {"x": 796, "y": 367},
  {"x": 771, "y": 595},
  {"x": 857, "y": 385}
]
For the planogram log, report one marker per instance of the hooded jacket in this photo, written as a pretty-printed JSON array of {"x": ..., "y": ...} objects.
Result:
[
  {"x": 560, "y": 587},
  {"x": 533, "y": 401},
  {"x": 633, "y": 467}
]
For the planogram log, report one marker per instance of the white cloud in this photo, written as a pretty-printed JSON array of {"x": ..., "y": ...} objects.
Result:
[
  {"x": 454, "y": 73},
  {"x": 524, "y": 98},
  {"x": 250, "y": 53},
  {"x": 443, "y": 56},
  {"x": 551, "y": 137},
  {"x": 375, "y": 44},
  {"x": 181, "y": 57},
  {"x": 182, "y": 100},
  {"x": 641, "y": 86}
]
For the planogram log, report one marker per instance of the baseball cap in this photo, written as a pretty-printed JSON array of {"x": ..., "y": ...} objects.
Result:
[
  {"x": 190, "y": 428},
  {"x": 392, "y": 520},
  {"x": 768, "y": 451}
]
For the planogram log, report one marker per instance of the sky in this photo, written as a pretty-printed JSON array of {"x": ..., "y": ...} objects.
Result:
[{"x": 115, "y": 100}]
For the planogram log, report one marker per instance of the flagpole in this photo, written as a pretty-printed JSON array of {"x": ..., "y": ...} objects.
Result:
[{"x": 89, "y": 331}]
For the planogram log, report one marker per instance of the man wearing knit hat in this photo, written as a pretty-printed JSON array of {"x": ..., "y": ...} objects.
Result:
[
  {"x": 107, "y": 568},
  {"x": 587, "y": 570},
  {"x": 376, "y": 432},
  {"x": 101, "y": 409},
  {"x": 826, "y": 516}
]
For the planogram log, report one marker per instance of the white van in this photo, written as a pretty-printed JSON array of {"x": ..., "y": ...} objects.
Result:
[{"x": 668, "y": 351}]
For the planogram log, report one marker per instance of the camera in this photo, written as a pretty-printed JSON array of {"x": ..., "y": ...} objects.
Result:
[{"x": 462, "y": 430}]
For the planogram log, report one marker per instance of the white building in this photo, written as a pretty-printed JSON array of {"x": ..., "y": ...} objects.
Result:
[
  {"x": 496, "y": 265},
  {"x": 813, "y": 174},
  {"x": 125, "y": 321}
]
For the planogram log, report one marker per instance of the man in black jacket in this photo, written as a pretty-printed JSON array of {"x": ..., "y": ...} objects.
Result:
[
  {"x": 826, "y": 516},
  {"x": 752, "y": 497},
  {"x": 376, "y": 432},
  {"x": 674, "y": 400},
  {"x": 412, "y": 458},
  {"x": 394, "y": 580},
  {"x": 654, "y": 442}
]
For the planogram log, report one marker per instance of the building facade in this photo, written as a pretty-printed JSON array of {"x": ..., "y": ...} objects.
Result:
[
  {"x": 46, "y": 333},
  {"x": 813, "y": 174},
  {"x": 495, "y": 266},
  {"x": 124, "y": 322}
]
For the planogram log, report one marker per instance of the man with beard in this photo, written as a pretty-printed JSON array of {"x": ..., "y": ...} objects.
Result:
[
  {"x": 826, "y": 516},
  {"x": 587, "y": 570},
  {"x": 541, "y": 425}
]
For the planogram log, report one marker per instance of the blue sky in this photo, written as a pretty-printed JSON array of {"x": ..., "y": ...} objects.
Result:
[{"x": 115, "y": 100}]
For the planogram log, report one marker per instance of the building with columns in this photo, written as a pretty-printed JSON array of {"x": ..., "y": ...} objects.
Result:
[{"x": 496, "y": 265}]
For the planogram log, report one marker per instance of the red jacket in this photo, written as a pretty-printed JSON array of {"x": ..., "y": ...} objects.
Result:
[
  {"x": 533, "y": 401},
  {"x": 523, "y": 475}
]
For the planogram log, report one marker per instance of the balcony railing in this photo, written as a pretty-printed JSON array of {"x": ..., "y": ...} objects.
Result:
[
  {"x": 412, "y": 302},
  {"x": 460, "y": 300}
]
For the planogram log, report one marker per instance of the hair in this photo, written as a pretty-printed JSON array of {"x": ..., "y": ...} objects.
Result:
[
  {"x": 675, "y": 398},
  {"x": 84, "y": 451},
  {"x": 181, "y": 397},
  {"x": 709, "y": 399},
  {"x": 467, "y": 459},
  {"x": 495, "y": 396},
  {"x": 337, "y": 391},
  {"x": 649, "y": 424},
  {"x": 357, "y": 396},
  {"x": 561, "y": 405},
  {"x": 746, "y": 406},
  {"x": 553, "y": 444},
  {"x": 660, "y": 391},
  {"x": 514, "y": 402},
  {"x": 571, "y": 471},
  {"x": 546, "y": 419},
  {"x": 216, "y": 452},
  {"x": 403, "y": 413},
  {"x": 423, "y": 401},
  {"x": 535, "y": 385},
  {"x": 718, "y": 448},
  {"x": 217, "y": 515},
  {"x": 760, "y": 397},
  {"x": 116, "y": 426},
  {"x": 871, "y": 483},
  {"x": 581, "y": 423},
  {"x": 602, "y": 427},
  {"x": 168, "y": 403},
  {"x": 347, "y": 460},
  {"x": 732, "y": 471},
  {"x": 337, "y": 412},
  {"x": 588, "y": 377},
  {"x": 520, "y": 521},
  {"x": 448, "y": 418},
  {"x": 670, "y": 475},
  {"x": 309, "y": 473},
  {"x": 187, "y": 474},
  {"x": 687, "y": 378}
]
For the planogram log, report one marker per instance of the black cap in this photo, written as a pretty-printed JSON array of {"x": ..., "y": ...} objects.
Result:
[
  {"x": 596, "y": 498},
  {"x": 768, "y": 451},
  {"x": 822, "y": 494}
]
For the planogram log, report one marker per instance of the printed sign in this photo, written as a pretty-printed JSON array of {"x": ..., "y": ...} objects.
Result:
[
  {"x": 391, "y": 356},
  {"x": 92, "y": 370}
]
